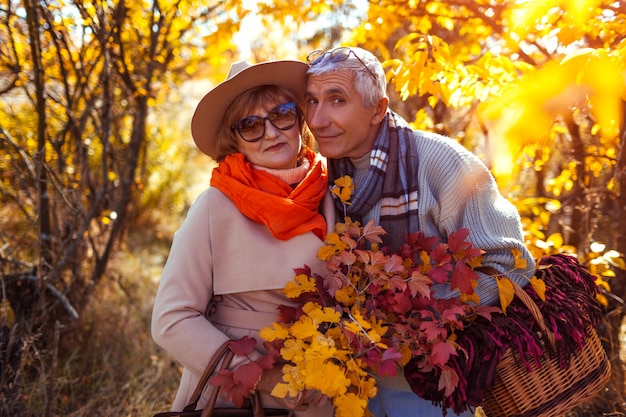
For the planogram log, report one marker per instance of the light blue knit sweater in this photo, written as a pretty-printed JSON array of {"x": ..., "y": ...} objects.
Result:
[{"x": 456, "y": 190}]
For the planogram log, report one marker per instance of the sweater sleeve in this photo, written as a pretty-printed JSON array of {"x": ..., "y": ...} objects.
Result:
[
  {"x": 462, "y": 193},
  {"x": 178, "y": 323}
]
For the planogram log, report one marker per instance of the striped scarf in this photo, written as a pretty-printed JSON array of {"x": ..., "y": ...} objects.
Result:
[{"x": 390, "y": 179}]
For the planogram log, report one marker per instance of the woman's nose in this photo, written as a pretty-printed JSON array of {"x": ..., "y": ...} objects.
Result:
[{"x": 271, "y": 131}]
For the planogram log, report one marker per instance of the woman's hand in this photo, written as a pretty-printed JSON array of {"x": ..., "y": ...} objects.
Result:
[{"x": 301, "y": 402}]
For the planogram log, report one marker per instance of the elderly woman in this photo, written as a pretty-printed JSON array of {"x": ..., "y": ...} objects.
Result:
[{"x": 267, "y": 212}]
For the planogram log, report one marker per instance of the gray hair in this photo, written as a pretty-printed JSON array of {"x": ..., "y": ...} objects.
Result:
[{"x": 371, "y": 90}]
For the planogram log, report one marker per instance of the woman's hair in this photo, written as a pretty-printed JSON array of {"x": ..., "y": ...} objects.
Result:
[
  {"x": 227, "y": 138},
  {"x": 371, "y": 89}
]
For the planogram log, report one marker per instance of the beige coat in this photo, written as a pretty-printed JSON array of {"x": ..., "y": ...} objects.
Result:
[{"x": 219, "y": 251}]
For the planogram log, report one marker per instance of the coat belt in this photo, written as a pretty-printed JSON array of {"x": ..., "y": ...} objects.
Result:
[{"x": 244, "y": 319}]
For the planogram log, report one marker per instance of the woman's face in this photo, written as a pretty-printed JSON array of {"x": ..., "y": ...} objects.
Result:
[{"x": 273, "y": 135}]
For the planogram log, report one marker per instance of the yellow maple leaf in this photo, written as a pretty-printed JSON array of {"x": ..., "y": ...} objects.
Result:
[
  {"x": 277, "y": 331},
  {"x": 303, "y": 328},
  {"x": 477, "y": 261},
  {"x": 333, "y": 245},
  {"x": 281, "y": 390},
  {"x": 540, "y": 287},
  {"x": 293, "y": 382},
  {"x": 326, "y": 376},
  {"x": 346, "y": 296},
  {"x": 520, "y": 262},
  {"x": 293, "y": 350},
  {"x": 302, "y": 283},
  {"x": 326, "y": 252},
  {"x": 425, "y": 258},
  {"x": 321, "y": 314},
  {"x": 358, "y": 325},
  {"x": 377, "y": 331},
  {"x": 406, "y": 352},
  {"x": 349, "y": 405},
  {"x": 505, "y": 288},
  {"x": 470, "y": 298},
  {"x": 362, "y": 380},
  {"x": 343, "y": 189}
]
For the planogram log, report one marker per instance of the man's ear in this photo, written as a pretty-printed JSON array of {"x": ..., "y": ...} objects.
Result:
[{"x": 381, "y": 110}]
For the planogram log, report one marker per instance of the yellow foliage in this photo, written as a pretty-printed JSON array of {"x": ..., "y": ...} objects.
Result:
[{"x": 524, "y": 112}]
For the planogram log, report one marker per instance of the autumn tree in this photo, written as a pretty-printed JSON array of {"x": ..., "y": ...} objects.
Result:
[{"x": 79, "y": 82}]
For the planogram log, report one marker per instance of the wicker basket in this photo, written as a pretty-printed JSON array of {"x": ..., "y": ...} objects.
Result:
[{"x": 549, "y": 390}]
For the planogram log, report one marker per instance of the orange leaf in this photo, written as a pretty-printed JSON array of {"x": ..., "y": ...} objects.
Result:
[{"x": 372, "y": 232}]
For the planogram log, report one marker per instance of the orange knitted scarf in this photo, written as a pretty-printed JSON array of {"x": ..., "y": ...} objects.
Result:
[{"x": 269, "y": 200}]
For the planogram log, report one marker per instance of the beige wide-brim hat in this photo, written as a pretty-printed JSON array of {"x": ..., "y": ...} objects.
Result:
[{"x": 243, "y": 76}]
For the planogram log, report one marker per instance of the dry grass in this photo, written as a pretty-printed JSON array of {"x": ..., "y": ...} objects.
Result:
[{"x": 107, "y": 364}]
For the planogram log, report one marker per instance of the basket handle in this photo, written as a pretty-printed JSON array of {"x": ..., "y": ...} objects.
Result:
[{"x": 528, "y": 302}]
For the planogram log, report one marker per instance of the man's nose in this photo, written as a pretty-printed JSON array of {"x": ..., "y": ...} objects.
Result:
[{"x": 316, "y": 118}]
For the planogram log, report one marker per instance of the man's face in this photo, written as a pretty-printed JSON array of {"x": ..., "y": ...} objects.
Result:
[{"x": 342, "y": 126}]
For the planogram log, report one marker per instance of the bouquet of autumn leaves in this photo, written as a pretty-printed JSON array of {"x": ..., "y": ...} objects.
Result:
[{"x": 374, "y": 312}]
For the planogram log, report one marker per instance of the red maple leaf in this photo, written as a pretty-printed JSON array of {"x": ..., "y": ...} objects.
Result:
[
  {"x": 396, "y": 283},
  {"x": 456, "y": 241},
  {"x": 332, "y": 283},
  {"x": 486, "y": 311},
  {"x": 440, "y": 274},
  {"x": 419, "y": 284},
  {"x": 287, "y": 314},
  {"x": 223, "y": 379},
  {"x": 440, "y": 254},
  {"x": 462, "y": 277},
  {"x": 242, "y": 381},
  {"x": 394, "y": 265},
  {"x": 433, "y": 331},
  {"x": 267, "y": 361},
  {"x": 388, "y": 365},
  {"x": 372, "y": 232},
  {"x": 455, "y": 314},
  {"x": 306, "y": 270},
  {"x": 243, "y": 346},
  {"x": 418, "y": 241},
  {"x": 441, "y": 352},
  {"x": 401, "y": 303}
]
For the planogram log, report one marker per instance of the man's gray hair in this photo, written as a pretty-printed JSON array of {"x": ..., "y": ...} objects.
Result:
[{"x": 372, "y": 90}]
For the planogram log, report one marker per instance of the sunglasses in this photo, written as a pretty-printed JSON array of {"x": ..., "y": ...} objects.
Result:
[
  {"x": 336, "y": 55},
  {"x": 282, "y": 117}
]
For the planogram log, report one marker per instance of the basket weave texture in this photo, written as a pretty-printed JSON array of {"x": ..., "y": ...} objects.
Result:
[{"x": 549, "y": 390}]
